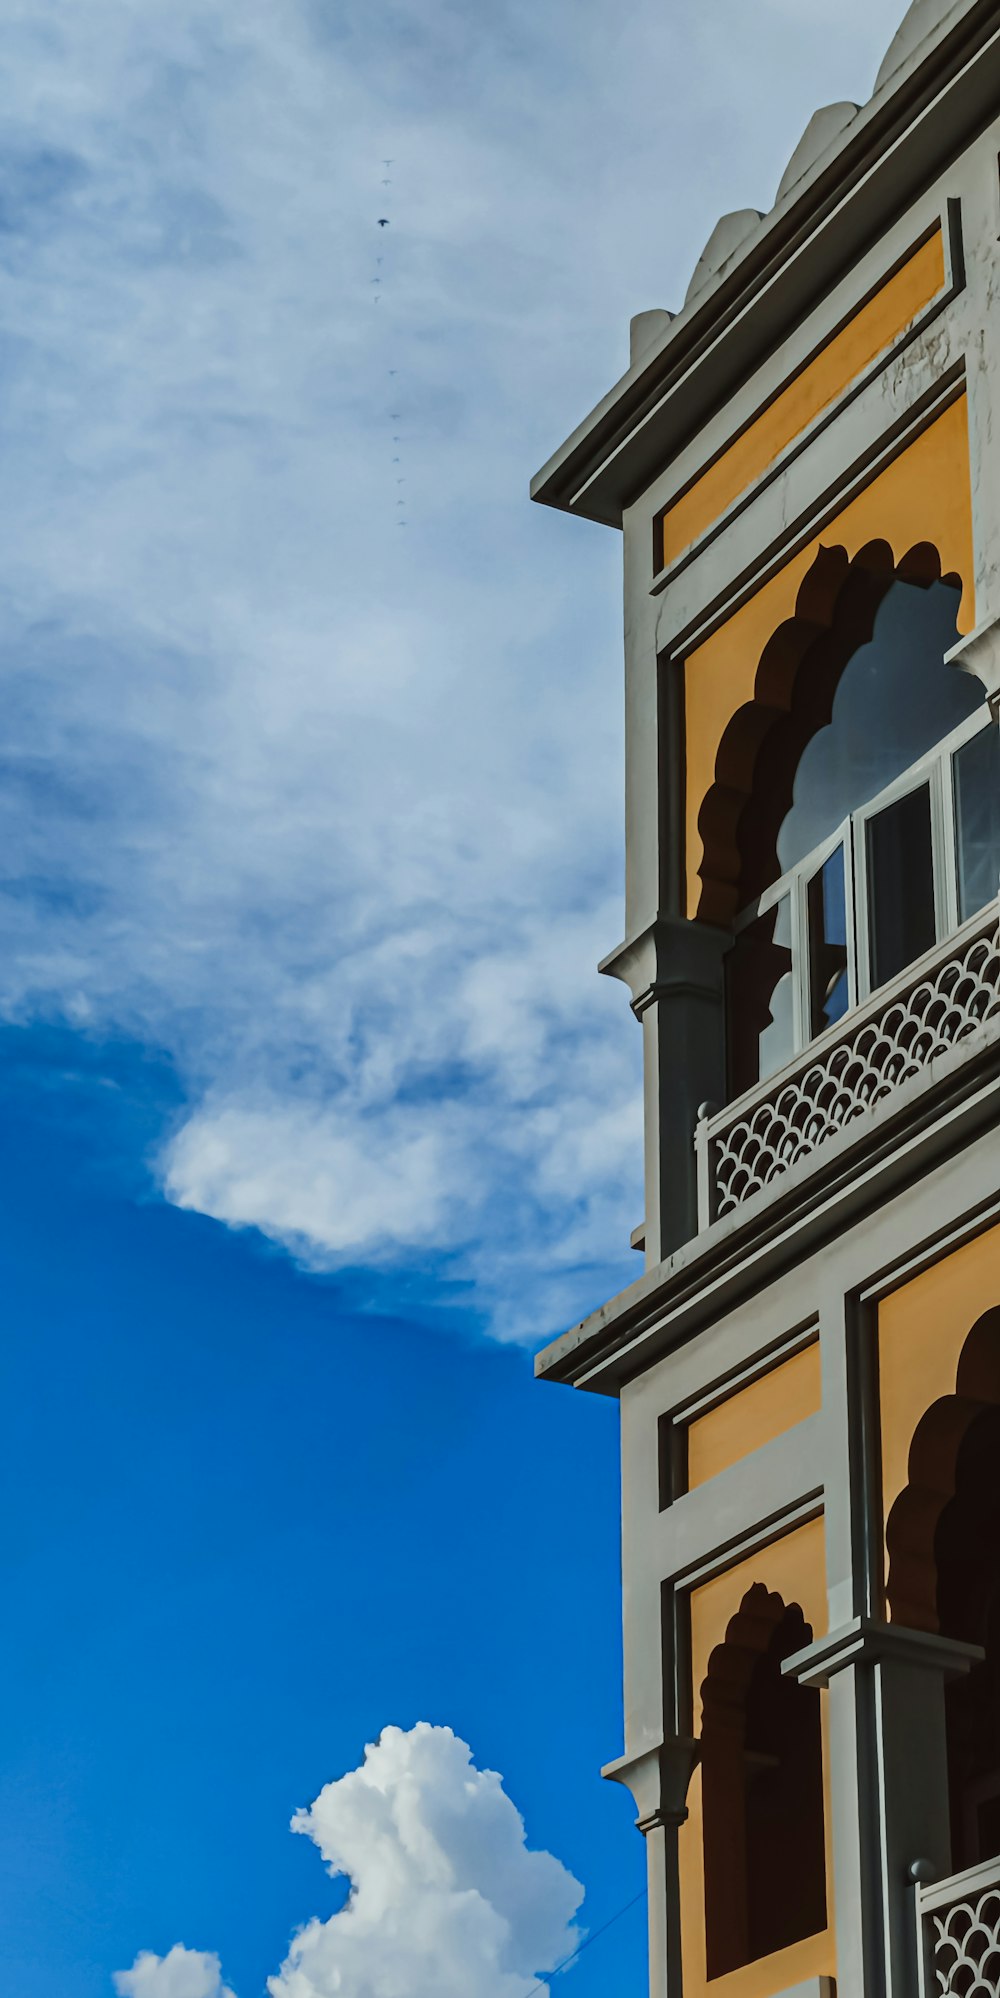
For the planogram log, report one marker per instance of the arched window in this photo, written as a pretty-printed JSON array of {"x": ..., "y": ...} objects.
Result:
[
  {"x": 943, "y": 1537},
  {"x": 890, "y": 839},
  {"x": 968, "y": 1562},
  {"x": 762, "y": 1790}
]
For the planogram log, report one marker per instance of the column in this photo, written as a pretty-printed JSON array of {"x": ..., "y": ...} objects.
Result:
[
  {"x": 889, "y": 1773},
  {"x": 675, "y": 973},
  {"x": 659, "y": 1781}
]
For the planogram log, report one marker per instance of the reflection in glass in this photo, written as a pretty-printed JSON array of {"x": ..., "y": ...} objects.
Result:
[
  {"x": 900, "y": 860},
  {"x": 828, "y": 981},
  {"x": 977, "y": 821},
  {"x": 896, "y": 699},
  {"x": 759, "y": 1004}
]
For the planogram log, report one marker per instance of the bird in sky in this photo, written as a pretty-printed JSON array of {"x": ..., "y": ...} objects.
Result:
[{"x": 383, "y": 221}]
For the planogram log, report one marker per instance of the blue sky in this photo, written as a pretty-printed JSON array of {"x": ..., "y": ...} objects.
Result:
[{"x": 318, "y": 1118}]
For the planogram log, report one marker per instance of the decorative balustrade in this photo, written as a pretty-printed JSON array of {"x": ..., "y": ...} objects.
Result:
[
  {"x": 853, "y": 1071},
  {"x": 958, "y": 1925}
]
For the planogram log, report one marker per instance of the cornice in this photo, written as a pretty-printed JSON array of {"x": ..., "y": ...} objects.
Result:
[
  {"x": 927, "y": 110},
  {"x": 738, "y": 1256}
]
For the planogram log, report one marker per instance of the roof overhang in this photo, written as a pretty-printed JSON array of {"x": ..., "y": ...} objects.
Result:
[{"x": 921, "y": 118}]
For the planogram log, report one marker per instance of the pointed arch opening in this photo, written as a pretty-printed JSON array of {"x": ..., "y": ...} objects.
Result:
[
  {"x": 943, "y": 1543},
  {"x": 762, "y": 1790},
  {"x": 796, "y": 682},
  {"x": 854, "y": 816}
]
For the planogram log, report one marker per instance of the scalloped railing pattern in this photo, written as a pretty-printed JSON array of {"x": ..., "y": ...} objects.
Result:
[
  {"x": 963, "y": 1946},
  {"x": 863, "y": 1068}
]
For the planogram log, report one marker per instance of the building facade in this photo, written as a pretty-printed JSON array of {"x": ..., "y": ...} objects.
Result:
[{"x": 805, "y": 466}]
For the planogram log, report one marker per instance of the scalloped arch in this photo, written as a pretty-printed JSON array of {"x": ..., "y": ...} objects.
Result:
[
  {"x": 933, "y": 1477},
  {"x": 922, "y": 495},
  {"x": 759, "y": 750},
  {"x": 748, "y": 1634}
]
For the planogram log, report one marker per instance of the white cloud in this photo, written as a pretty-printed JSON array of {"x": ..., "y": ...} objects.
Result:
[
  {"x": 325, "y": 1187},
  {"x": 182, "y": 1973},
  {"x": 326, "y": 810},
  {"x": 446, "y": 1898}
]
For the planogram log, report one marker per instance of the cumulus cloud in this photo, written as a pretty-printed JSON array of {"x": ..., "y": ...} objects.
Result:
[
  {"x": 326, "y": 811},
  {"x": 446, "y": 1897},
  {"x": 182, "y": 1973}
]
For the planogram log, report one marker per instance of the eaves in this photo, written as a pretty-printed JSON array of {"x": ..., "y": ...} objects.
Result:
[{"x": 897, "y": 145}]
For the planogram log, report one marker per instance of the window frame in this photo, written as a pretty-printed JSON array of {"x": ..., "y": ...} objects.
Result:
[{"x": 935, "y": 770}]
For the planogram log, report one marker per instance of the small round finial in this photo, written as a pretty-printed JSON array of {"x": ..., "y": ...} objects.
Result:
[{"x": 923, "y": 1872}]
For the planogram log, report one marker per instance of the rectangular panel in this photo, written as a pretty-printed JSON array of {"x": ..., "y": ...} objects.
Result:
[
  {"x": 754, "y": 1416},
  {"x": 842, "y": 361}
]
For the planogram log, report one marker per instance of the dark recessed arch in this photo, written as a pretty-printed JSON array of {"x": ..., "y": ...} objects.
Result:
[
  {"x": 795, "y": 684},
  {"x": 762, "y": 1789},
  {"x": 935, "y": 1463},
  {"x": 943, "y": 1535}
]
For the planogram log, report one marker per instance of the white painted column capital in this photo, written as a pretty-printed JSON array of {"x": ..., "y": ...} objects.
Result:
[
  {"x": 889, "y": 1785},
  {"x": 659, "y": 1779},
  {"x": 867, "y": 1641}
]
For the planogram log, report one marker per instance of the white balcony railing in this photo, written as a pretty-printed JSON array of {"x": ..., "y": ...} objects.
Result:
[
  {"x": 958, "y": 1935},
  {"x": 856, "y": 1070}
]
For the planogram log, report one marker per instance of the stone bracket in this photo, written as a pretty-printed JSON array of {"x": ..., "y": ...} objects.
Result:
[
  {"x": 671, "y": 959},
  {"x": 658, "y": 1779}
]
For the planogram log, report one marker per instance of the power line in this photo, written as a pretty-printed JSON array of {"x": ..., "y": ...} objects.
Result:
[{"x": 595, "y": 1937}]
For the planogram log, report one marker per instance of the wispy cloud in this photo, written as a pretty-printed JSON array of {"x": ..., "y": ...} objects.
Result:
[
  {"x": 446, "y": 1897},
  {"x": 326, "y": 809}
]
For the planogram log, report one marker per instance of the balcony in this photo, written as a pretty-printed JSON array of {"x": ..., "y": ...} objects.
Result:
[
  {"x": 878, "y": 1061},
  {"x": 958, "y": 1935}
]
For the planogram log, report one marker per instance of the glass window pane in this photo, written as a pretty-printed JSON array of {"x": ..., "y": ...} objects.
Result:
[
  {"x": 977, "y": 820},
  {"x": 759, "y": 999},
  {"x": 894, "y": 702},
  {"x": 828, "y": 985},
  {"x": 900, "y": 884}
]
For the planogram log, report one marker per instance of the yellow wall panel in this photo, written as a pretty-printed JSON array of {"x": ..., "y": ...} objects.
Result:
[
  {"x": 754, "y": 1416},
  {"x": 846, "y": 357},
  {"x": 922, "y": 1328},
  {"x": 922, "y": 496},
  {"x": 795, "y": 1568}
]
